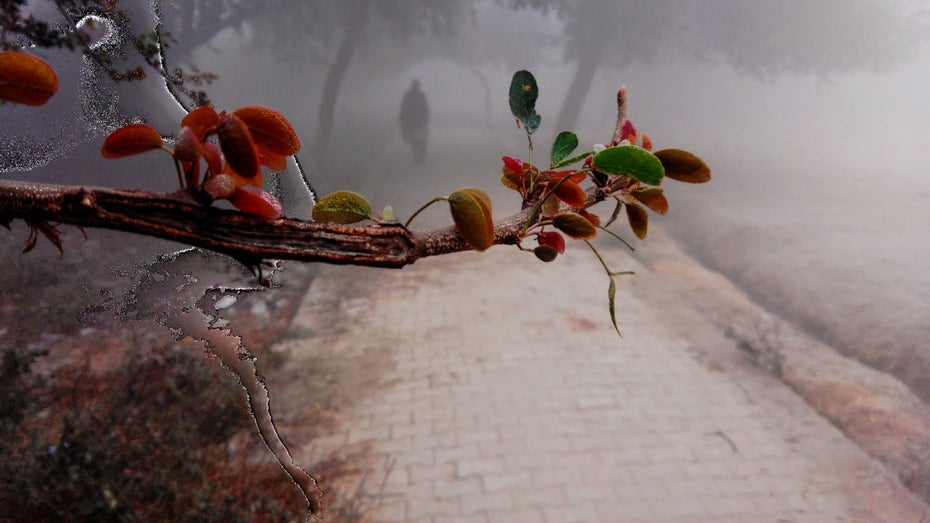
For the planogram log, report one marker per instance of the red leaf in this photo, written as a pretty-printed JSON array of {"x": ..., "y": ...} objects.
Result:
[
  {"x": 211, "y": 154},
  {"x": 571, "y": 193},
  {"x": 220, "y": 187},
  {"x": 273, "y": 161},
  {"x": 513, "y": 164},
  {"x": 552, "y": 239},
  {"x": 242, "y": 181},
  {"x": 131, "y": 139},
  {"x": 628, "y": 132},
  {"x": 591, "y": 217},
  {"x": 201, "y": 120},
  {"x": 25, "y": 79},
  {"x": 255, "y": 201},
  {"x": 238, "y": 146},
  {"x": 187, "y": 147},
  {"x": 574, "y": 176},
  {"x": 270, "y": 130}
]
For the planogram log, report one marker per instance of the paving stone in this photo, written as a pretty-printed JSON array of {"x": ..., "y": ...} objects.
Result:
[{"x": 504, "y": 403}]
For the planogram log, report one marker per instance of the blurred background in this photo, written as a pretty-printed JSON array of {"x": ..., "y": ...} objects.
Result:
[{"x": 812, "y": 115}]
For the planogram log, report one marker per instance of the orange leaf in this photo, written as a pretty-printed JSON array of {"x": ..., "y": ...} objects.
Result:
[
  {"x": 200, "y": 120},
  {"x": 683, "y": 166},
  {"x": 653, "y": 198},
  {"x": 639, "y": 220},
  {"x": 255, "y": 201},
  {"x": 25, "y": 79},
  {"x": 238, "y": 146},
  {"x": 471, "y": 212},
  {"x": 273, "y": 161},
  {"x": 571, "y": 193},
  {"x": 187, "y": 147},
  {"x": 270, "y": 130},
  {"x": 242, "y": 181},
  {"x": 574, "y": 225},
  {"x": 131, "y": 139}
]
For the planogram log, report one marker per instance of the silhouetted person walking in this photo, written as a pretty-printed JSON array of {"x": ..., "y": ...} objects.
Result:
[{"x": 414, "y": 120}]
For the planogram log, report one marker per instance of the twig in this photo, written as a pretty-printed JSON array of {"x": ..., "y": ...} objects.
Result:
[{"x": 245, "y": 237}]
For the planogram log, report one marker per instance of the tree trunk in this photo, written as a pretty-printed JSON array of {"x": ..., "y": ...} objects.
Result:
[
  {"x": 578, "y": 91},
  {"x": 353, "y": 31}
]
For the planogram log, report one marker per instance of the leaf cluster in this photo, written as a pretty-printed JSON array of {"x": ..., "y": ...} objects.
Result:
[{"x": 219, "y": 156}]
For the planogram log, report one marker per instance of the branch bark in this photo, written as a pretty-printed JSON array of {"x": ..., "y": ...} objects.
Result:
[{"x": 245, "y": 237}]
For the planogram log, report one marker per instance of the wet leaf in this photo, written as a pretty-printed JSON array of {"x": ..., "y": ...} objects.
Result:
[
  {"x": 683, "y": 166},
  {"x": 550, "y": 207},
  {"x": 471, "y": 212},
  {"x": 574, "y": 225},
  {"x": 270, "y": 129},
  {"x": 564, "y": 144},
  {"x": 211, "y": 153},
  {"x": 652, "y": 197},
  {"x": 594, "y": 219},
  {"x": 201, "y": 120},
  {"x": 220, "y": 187},
  {"x": 612, "y": 305},
  {"x": 131, "y": 139},
  {"x": 256, "y": 201},
  {"x": 273, "y": 161},
  {"x": 241, "y": 181},
  {"x": 25, "y": 79},
  {"x": 551, "y": 239},
  {"x": 342, "y": 207},
  {"x": 573, "y": 159},
  {"x": 639, "y": 220},
  {"x": 545, "y": 253},
  {"x": 632, "y": 161},
  {"x": 571, "y": 193},
  {"x": 507, "y": 180},
  {"x": 238, "y": 146},
  {"x": 513, "y": 164},
  {"x": 523, "y": 95},
  {"x": 187, "y": 148}
]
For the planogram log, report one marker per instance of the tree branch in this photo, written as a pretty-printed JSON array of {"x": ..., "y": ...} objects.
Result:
[{"x": 245, "y": 237}]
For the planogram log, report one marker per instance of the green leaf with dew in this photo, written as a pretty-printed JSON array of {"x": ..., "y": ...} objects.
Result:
[
  {"x": 343, "y": 207},
  {"x": 564, "y": 144},
  {"x": 574, "y": 159},
  {"x": 523, "y": 95},
  {"x": 632, "y": 161}
]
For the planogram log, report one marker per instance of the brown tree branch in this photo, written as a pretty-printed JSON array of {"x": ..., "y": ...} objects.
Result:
[{"x": 245, "y": 237}]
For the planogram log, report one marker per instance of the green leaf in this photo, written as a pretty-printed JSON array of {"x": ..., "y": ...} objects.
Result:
[
  {"x": 342, "y": 207},
  {"x": 632, "y": 161},
  {"x": 523, "y": 95},
  {"x": 564, "y": 144},
  {"x": 612, "y": 297},
  {"x": 471, "y": 212},
  {"x": 683, "y": 166},
  {"x": 573, "y": 159},
  {"x": 574, "y": 225}
]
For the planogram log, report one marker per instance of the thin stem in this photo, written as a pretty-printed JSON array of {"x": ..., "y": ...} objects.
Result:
[
  {"x": 617, "y": 236},
  {"x": 599, "y": 257},
  {"x": 423, "y": 208}
]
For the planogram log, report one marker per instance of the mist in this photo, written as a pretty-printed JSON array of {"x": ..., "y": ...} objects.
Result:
[{"x": 812, "y": 117}]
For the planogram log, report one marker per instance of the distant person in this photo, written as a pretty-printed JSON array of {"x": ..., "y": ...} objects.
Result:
[{"x": 414, "y": 120}]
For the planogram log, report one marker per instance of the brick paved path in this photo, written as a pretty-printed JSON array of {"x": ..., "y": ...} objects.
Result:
[{"x": 510, "y": 398}]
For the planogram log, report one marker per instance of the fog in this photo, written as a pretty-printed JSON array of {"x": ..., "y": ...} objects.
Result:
[{"x": 813, "y": 117}]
